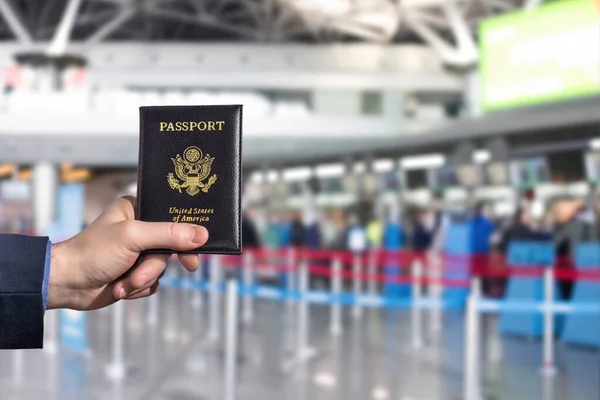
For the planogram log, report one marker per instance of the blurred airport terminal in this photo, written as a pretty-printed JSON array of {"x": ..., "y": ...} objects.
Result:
[{"x": 421, "y": 210}]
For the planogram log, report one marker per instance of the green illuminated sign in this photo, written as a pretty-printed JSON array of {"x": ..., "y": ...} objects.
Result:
[{"x": 549, "y": 54}]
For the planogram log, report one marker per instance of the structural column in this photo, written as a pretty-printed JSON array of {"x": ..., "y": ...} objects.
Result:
[
  {"x": 474, "y": 94},
  {"x": 45, "y": 189},
  {"x": 367, "y": 190}
]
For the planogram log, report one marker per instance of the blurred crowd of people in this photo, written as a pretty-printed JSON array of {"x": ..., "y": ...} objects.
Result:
[{"x": 567, "y": 222}]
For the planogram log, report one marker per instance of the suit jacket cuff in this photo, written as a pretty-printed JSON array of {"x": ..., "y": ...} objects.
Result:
[{"x": 22, "y": 270}]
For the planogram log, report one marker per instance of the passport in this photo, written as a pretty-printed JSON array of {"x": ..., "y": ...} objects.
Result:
[{"x": 189, "y": 171}]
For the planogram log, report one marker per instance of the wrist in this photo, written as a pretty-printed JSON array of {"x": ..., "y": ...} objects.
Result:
[{"x": 60, "y": 291}]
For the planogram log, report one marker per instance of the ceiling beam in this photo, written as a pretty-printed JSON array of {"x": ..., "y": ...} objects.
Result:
[
  {"x": 449, "y": 54},
  {"x": 432, "y": 19},
  {"x": 359, "y": 30},
  {"x": 112, "y": 25},
  {"x": 62, "y": 35},
  {"x": 502, "y": 5},
  {"x": 204, "y": 19},
  {"x": 467, "y": 48},
  {"x": 15, "y": 24},
  {"x": 531, "y": 5}
]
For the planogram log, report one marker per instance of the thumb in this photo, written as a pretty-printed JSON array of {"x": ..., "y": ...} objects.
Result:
[{"x": 138, "y": 236}]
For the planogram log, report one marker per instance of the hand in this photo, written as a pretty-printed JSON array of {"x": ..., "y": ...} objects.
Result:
[{"x": 87, "y": 271}]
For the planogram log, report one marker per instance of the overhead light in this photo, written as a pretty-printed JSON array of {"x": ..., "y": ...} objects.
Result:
[
  {"x": 380, "y": 393},
  {"x": 325, "y": 380},
  {"x": 25, "y": 174},
  {"x": 423, "y": 162},
  {"x": 481, "y": 156},
  {"x": 595, "y": 144},
  {"x": 329, "y": 170},
  {"x": 296, "y": 174},
  {"x": 359, "y": 167},
  {"x": 7, "y": 170},
  {"x": 66, "y": 166},
  {"x": 76, "y": 175},
  {"x": 272, "y": 175},
  {"x": 383, "y": 165},
  {"x": 257, "y": 177}
]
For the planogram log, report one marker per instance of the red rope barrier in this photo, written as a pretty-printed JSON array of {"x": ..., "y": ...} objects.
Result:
[
  {"x": 483, "y": 265},
  {"x": 578, "y": 275},
  {"x": 350, "y": 275}
]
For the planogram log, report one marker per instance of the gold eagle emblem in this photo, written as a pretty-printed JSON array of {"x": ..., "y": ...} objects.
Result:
[{"x": 192, "y": 169}]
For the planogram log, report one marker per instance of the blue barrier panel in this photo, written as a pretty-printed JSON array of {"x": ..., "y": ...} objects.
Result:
[
  {"x": 458, "y": 248},
  {"x": 527, "y": 289},
  {"x": 543, "y": 253},
  {"x": 530, "y": 254},
  {"x": 458, "y": 269},
  {"x": 491, "y": 306},
  {"x": 314, "y": 297},
  {"x": 458, "y": 239},
  {"x": 585, "y": 329},
  {"x": 392, "y": 241}
]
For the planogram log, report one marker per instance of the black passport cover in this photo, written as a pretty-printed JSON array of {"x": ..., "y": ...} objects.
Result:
[{"x": 190, "y": 171}]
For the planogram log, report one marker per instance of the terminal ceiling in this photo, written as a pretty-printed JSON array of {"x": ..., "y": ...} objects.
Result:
[{"x": 447, "y": 25}]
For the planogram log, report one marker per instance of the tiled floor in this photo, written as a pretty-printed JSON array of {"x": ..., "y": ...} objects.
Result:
[{"x": 373, "y": 359}]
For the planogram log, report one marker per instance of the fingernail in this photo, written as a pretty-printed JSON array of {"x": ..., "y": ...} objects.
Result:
[
  {"x": 200, "y": 235},
  {"x": 122, "y": 293}
]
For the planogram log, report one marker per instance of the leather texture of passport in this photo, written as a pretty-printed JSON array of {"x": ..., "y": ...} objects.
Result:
[{"x": 190, "y": 171}]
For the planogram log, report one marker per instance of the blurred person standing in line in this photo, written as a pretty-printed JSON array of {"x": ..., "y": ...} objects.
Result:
[
  {"x": 313, "y": 238},
  {"x": 314, "y": 241},
  {"x": 297, "y": 230},
  {"x": 276, "y": 236},
  {"x": 375, "y": 233},
  {"x": 440, "y": 223},
  {"x": 272, "y": 234},
  {"x": 250, "y": 237},
  {"x": 482, "y": 229},
  {"x": 357, "y": 238},
  {"x": 329, "y": 230},
  {"x": 340, "y": 241},
  {"x": 573, "y": 223},
  {"x": 422, "y": 231},
  {"x": 521, "y": 227},
  {"x": 285, "y": 230},
  {"x": 396, "y": 230}
]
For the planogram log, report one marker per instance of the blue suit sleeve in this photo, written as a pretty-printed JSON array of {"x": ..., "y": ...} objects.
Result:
[{"x": 24, "y": 263}]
